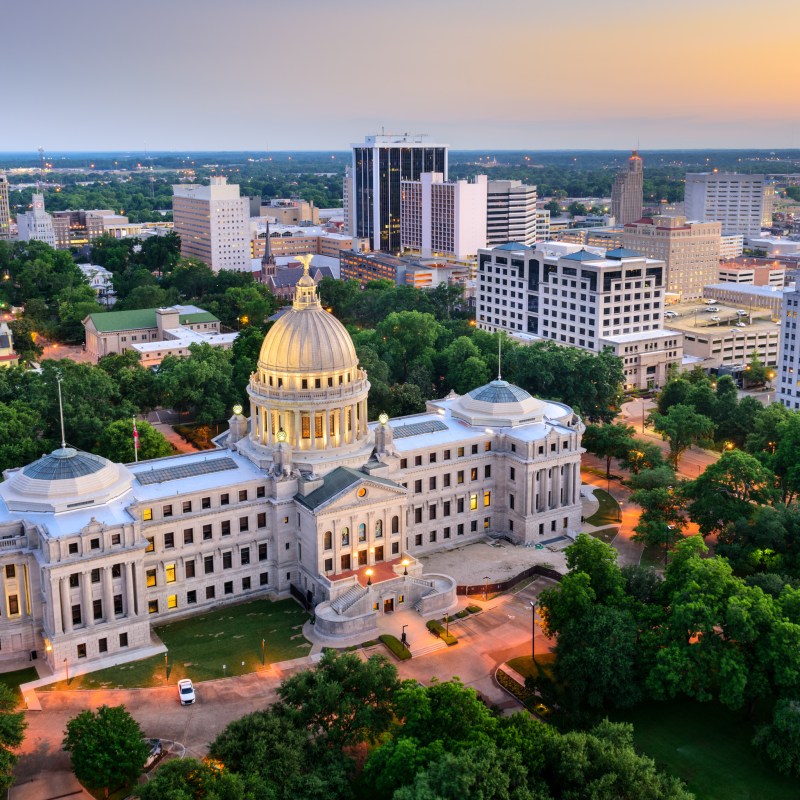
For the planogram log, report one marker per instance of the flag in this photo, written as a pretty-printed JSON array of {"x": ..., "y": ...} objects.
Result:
[{"x": 135, "y": 435}]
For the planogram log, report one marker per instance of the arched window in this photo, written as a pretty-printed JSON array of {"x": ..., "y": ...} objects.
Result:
[
  {"x": 345, "y": 537},
  {"x": 395, "y": 524},
  {"x": 327, "y": 540},
  {"x": 379, "y": 529},
  {"x": 362, "y": 532}
]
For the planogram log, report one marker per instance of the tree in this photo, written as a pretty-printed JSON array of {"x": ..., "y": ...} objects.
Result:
[
  {"x": 21, "y": 435},
  {"x": 755, "y": 373},
  {"x": 728, "y": 490},
  {"x": 682, "y": 426},
  {"x": 674, "y": 392},
  {"x": 12, "y": 732},
  {"x": 116, "y": 442},
  {"x": 347, "y": 699},
  {"x": 598, "y": 560},
  {"x": 107, "y": 747},
  {"x": 25, "y": 339},
  {"x": 408, "y": 335},
  {"x": 554, "y": 207},
  {"x": 641, "y": 456},
  {"x": 576, "y": 209},
  {"x": 612, "y": 440},
  {"x": 190, "y": 779},
  {"x": 780, "y": 740},
  {"x": 785, "y": 462}
]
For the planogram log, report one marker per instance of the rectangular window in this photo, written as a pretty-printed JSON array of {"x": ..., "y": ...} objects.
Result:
[
  {"x": 188, "y": 535},
  {"x": 446, "y": 455},
  {"x": 487, "y": 446},
  {"x": 261, "y": 491},
  {"x": 473, "y": 474},
  {"x": 395, "y": 548},
  {"x": 432, "y": 482},
  {"x": 511, "y": 501},
  {"x": 102, "y": 645},
  {"x": 152, "y": 607},
  {"x": 473, "y": 526},
  {"x": 208, "y": 564},
  {"x": 169, "y": 570},
  {"x": 97, "y": 609},
  {"x": 166, "y": 511},
  {"x": 228, "y": 587},
  {"x": 81, "y": 651},
  {"x": 169, "y": 541},
  {"x": 246, "y": 584},
  {"x": 224, "y": 499},
  {"x": 473, "y": 502},
  {"x": 242, "y": 495},
  {"x": 262, "y": 551},
  {"x": 474, "y": 449},
  {"x": 245, "y": 555},
  {"x": 73, "y": 548},
  {"x": 263, "y": 579},
  {"x": 147, "y": 514},
  {"x": 150, "y": 577},
  {"x": 187, "y": 506},
  {"x": 123, "y": 640},
  {"x": 118, "y": 605},
  {"x": 74, "y": 580},
  {"x": 205, "y": 503},
  {"x": 417, "y": 461},
  {"x": 460, "y": 505},
  {"x": 96, "y": 575},
  {"x": 211, "y": 592},
  {"x": 116, "y": 538},
  {"x": 446, "y": 480},
  {"x": 487, "y": 471},
  {"x": 446, "y": 533},
  {"x": 446, "y": 508},
  {"x": 460, "y": 476},
  {"x": 403, "y": 463},
  {"x": 418, "y": 540},
  {"x": 206, "y": 532},
  {"x": 76, "y": 609},
  {"x": 225, "y": 527},
  {"x": 418, "y": 514},
  {"x": 189, "y": 569},
  {"x": 432, "y": 458},
  {"x": 512, "y": 473},
  {"x": 172, "y": 601},
  {"x": 227, "y": 559},
  {"x": 191, "y": 597},
  {"x": 432, "y": 512},
  {"x": 244, "y": 524},
  {"x": 487, "y": 499},
  {"x": 460, "y": 452},
  {"x": 261, "y": 521},
  {"x": 94, "y": 544},
  {"x": 417, "y": 487}
]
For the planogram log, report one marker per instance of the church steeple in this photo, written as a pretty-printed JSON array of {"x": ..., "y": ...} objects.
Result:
[{"x": 268, "y": 267}]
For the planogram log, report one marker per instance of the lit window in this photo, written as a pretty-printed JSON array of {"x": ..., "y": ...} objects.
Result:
[
  {"x": 147, "y": 514},
  {"x": 473, "y": 502},
  {"x": 150, "y": 545},
  {"x": 151, "y": 577},
  {"x": 487, "y": 499},
  {"x": 172, "y": 601},
  {"x": 170, "y": 571}
]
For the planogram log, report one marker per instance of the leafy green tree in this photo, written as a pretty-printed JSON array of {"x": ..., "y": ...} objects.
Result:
[
  {"x": 554, "y": 207},
  {"x": 641, "y": 456},
  {"x": 755, "y": 373},
  {"x": 74, "y": 305},
  {"x": 25, "y": 339},
  {"x": 612, "y": 440},
  {"x": 347, "y": 699},
  {"x": 160, "y": 253},
  {"x": 764, "y": 436},
  {"x": 682, "y": 426},
  {"x": 190, "y": 779},
  {"x": 116, "y": 442},
  {"x": 114, "y": 254},
  {"x": 785, "y": 463},
  {"x": 12, "y": 732},
  {"x": 147, "y": 296},
  {"x": 728, "y": 490},
  {"x": 780, "y": 740},
  {"x": 576, "y": 209},
  {"x": 598, "y": 560},
  {"x": 135, "y": 383},
  {"x": 673, "y": 393},
  {"x": 107, "y": 747},
  {"x": 21, "y": 435},
  {"x": 408, "y": 335}
]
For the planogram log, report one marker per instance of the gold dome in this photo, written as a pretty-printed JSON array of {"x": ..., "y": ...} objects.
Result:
[{"x": 307, "y": 340}]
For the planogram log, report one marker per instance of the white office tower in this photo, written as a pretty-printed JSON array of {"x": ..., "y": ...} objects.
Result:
[
  {"x": 213, "y": 223},
  {"x": 347, "y": 201},
  {"x": 36, "y": 224},
  {"x": 5, "y": 213},
  {"x": 379, "y": 166},
  {"x": 443, "y": 218},
  {"x": 737, "y": 201},
  {"x": 511, "y": 214},
  {"x": 788, "y": 381}
]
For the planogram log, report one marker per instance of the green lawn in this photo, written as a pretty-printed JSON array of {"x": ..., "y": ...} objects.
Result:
[
  {"x": 709, "y": 748},
  {"x": 14, "y": 679},
  {"x": 608, "y": 511},
  {"x": 606, "y": 535},
  {"x": 524, "y": 664},
  {"x": 198, "y": 647}
]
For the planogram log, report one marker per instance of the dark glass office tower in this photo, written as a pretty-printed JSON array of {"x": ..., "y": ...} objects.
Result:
[{"x": 378, "y": 167}]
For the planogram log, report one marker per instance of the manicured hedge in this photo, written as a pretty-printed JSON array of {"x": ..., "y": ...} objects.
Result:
[
  {"x": 440, "y": 630},
  {"x": 396, "y": 646}
]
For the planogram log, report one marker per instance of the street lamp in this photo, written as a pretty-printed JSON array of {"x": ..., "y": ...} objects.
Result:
[
  {"x": 447, "y": 624},
  {"x": 404, "y": 562},
  {"x": 369, "y": 577},
  {"x": 166, "y": 664},
  {"x": 485, "y": 587},
  {"x": 263, "y": 652},
  {"x": 403, "y": 639},
  {"x": 533, "y": 630}
]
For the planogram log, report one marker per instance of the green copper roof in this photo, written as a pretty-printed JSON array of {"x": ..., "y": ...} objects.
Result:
[
  {"x": 336, "y": 482},
  {"x": 109, "y": 321}
]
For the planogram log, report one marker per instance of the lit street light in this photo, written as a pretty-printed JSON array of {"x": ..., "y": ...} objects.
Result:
[
  {"x": 369, "y": 577},
  {"x": 485, "y": 587},
  {"x": 533, "y": 630}
]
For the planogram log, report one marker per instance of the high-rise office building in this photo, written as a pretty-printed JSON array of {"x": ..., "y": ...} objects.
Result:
[
  {"x": 627, "y": 192},
  {"x": 347, "y": 201},
  {"x": 36, "y": 224},
  {"x": 214, "y": 223},
  {"x": 690, "y": 251},
  {"x": 443, "y": 218},
  {"x": 512, "y": 216},
  {"x": 379, "y": 165},
  {"x": 788, "y": 380},
  {"x": 737, "y": 201},
  {"x": 5, "y": 213}
]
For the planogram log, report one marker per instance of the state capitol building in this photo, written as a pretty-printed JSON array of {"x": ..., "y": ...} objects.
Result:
[{"x": 301, "y": 497}]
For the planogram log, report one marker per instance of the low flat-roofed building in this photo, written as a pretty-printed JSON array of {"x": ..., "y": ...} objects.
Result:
[
  {"x": 177, "y": 342},
  {"x": 722, "y": 338},
  {"x": 117, "y": 331},
  {"x": 646, "y": 356},
  {"x": 774, "y": 245},
  {"x": 366, "y": 267},
  {"x": 746, "y": 296},
  {"x": 755, "y": 271},
  {"x": 608, "y": 237}
]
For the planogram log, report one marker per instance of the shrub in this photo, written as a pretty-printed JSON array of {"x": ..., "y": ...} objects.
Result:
[
  {"x": 474, "y": 609},
  {"x": 436, "y": 627},
  {"x": 396, "y": 646}
]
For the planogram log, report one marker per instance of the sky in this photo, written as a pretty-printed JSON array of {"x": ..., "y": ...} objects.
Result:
[{"x": 320, "y": 74}]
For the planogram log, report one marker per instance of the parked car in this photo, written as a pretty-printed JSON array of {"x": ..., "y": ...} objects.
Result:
[
  {"x": 741, "y": 313},
  {"x": 709, "y": 301},
  {"x": 670, "y": 314},
  {"x": 712, "y": 309},
  {"x": 715, "y": 319},
  {"x": 741, "y": 324},
  {"x": 186, "y": 692}
]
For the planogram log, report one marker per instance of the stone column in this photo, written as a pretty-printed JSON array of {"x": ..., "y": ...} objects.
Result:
[
  {"x": 312, "y": 427},
  {"x": 66, "y": 605},
  {"x": 55, "y": 600},
  {"x": 298, "y": 429},
  {"x": 130, "y": 602},
  {"x": 108, "y": 595},
  {"x": 22, "y": 588},
  {"x": 86, "y": 599},
  {"x": 140, "y": 585},
  {"x": 326, "y": 432},
  {"x": 576, "y": 468},
  {"x": 339, "y": 424}
]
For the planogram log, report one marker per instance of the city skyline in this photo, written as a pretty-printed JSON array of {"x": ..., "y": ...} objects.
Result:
[{"x": 516, "y": 78}]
